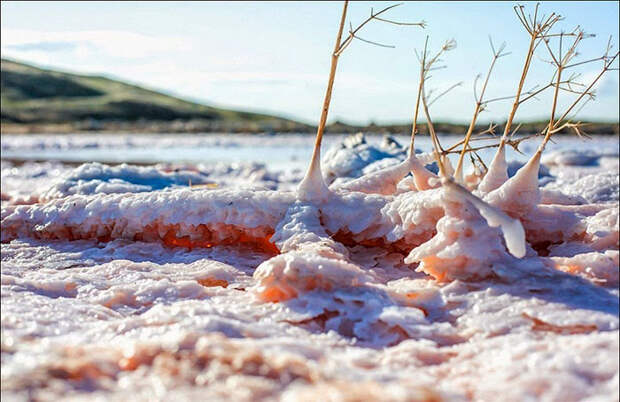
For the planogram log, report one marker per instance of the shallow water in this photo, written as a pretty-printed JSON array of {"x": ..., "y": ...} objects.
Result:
[{"x": 275, "y": 151}]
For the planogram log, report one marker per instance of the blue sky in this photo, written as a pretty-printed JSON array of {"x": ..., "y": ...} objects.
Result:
[{"x": 274, "y": 56}]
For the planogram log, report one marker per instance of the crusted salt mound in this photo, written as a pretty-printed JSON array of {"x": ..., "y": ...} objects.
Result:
[
  {"x": 208, "y": 216},
  {"x": 195, "y": 218},
  {"x": 386, "y": 180},
  {"x": 514, "y": 166},
  {"x": 519, "y": 194},
  {"x": 465, "y": 247},
  {"x": 96, "y": 178},
  {"x": 354, "y": 158},
  {"x": 496, "y": 175},
  {"x": 602, "y": 228},
  {"x": 595, "y": 225},
  {"x": 413, "y": 216},
  {"x": 401, "y": 221},
  {"x": 310, "y": 259},
  {"x": 567, "y": 157},
  {"x": 349, "y": 158},
  {"x": 383, "y": 181},
  {"x": 285, "y": 276},
  {"x": 592, "y": 188},
  {"x": 24, "y": 184},
  {"x": 333, "y": 292},
  {"x": 301, "y": 227},
  {"x": 600, "y": 268}
]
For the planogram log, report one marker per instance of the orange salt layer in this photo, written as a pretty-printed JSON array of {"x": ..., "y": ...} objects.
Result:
[
  {"x": 279, "y": 293},
  {"x": 238, "y": 238},
  {"x": 436, "y": 267},
  {"x": 276, "y": 295},
  {"x": 203, "y": 236},
  {"x": 401, "y": 246},
  {"x": 212, "y": 282},
  {"x": 540, "y": 325},
  {"x": 234, "y": 236}
]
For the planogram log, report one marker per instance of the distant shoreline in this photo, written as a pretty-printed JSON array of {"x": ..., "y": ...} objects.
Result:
[{"x": 208, "y": 127}]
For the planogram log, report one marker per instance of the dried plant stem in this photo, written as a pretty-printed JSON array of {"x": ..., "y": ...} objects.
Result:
[
  {"x": 458, "y": 173},
  {"x": 414, "y": 127},
  {"x": 536, "y": 30},
  {"x": 561, "y": 62},
  {"x": 606, "y": 68},
  {"x": 431, "y": 129},
  {"x": 515, "y": 105},
  {"x": 313, "y": 185},
  {"x": 554, "y": 105},
  {"x": 512, "y": 143},
  {"x": 497, "y": 173},
  {"x": 426, "y": 67},
  {"x": 474, "y": 137},
  {"x": 373, "y": 16},
  {"x": 316, "y": 154}
]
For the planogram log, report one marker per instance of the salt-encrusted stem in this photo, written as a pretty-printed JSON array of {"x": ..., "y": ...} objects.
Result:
[
  {"x": 423, "y": 178},
  {"x": 435, "y": 140},
  {"x": 520, "y": 194},
  {"x": 384, "y": 181},
  {"x": 458, "y": 172},
  {"x": 313, "y": 187},
  {"x": 497, "y": 173},
  {"x": 526, "y": 178}
]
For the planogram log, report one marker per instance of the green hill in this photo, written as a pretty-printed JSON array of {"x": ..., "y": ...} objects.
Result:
[
  {"x": 39, "y": 97},
  {"x": 36, "y": 100}
]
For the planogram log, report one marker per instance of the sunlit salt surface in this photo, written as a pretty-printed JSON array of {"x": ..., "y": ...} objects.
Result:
[{"x": 162, "y": 281}]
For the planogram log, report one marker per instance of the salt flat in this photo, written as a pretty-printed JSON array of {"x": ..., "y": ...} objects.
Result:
[{"x": 112, "y": 288}]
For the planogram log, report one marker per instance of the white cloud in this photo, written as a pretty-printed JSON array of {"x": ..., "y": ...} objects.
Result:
[{"x": 84, "y": 44}]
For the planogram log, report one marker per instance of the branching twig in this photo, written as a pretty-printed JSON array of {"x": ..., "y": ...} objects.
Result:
[
  {"x": 562, "y": 63},
  {"x": 436, "y": 98},
  {"x": 427, "y": 65},
  {"x": 458, "y": 173},
  {"x": 373, "y": 16},
  {"x": 536, "y": 28},
  {"x": 314, "y": 177},
  {"x": 414, "y": 127}
]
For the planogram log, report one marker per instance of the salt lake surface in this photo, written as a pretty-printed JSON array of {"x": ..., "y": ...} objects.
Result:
[{"x": 277, "y": 151}]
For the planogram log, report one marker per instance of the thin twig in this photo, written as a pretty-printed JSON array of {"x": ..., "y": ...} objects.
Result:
[
  {"x": 458, "y": 172},
  {"x": 373, "y": 16}
]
